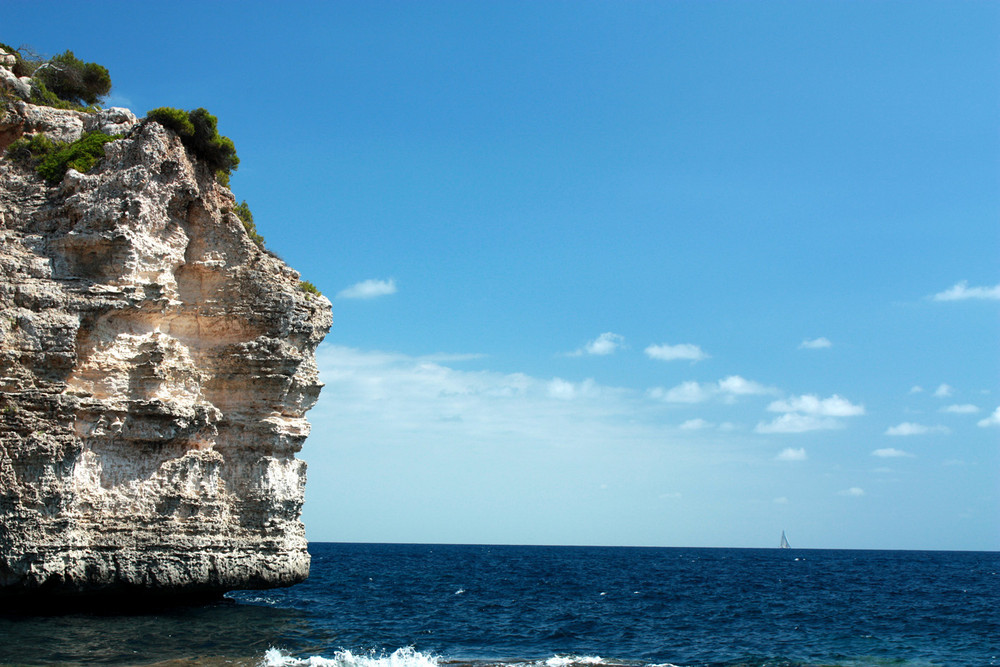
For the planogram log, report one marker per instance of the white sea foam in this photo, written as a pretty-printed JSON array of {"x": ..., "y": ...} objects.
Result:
[
  {"x": 404, "y": 657},
  {"x": 567, "y": 660}
]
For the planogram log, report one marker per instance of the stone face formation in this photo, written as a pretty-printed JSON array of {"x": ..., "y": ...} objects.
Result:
[{"x": 156, "y": 367}]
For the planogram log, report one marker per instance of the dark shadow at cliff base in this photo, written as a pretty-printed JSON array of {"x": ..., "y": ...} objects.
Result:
[
  {"x": 217, "y": 632},
  {"x": 40, "y": 603}
]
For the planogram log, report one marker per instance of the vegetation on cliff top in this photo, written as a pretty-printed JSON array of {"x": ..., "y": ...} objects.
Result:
[
  {"x": 53, "y": 159},
  {"x": 63, "y": 81},
  {"x": 199, "y": 132},
  {"x": 66, "y": 82}
]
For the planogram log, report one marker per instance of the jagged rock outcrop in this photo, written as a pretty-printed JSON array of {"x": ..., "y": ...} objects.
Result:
[{"x": 156, "y": 367}]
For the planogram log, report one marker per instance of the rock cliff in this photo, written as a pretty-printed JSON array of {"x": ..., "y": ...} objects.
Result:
[{"x": 156, "y": 367}]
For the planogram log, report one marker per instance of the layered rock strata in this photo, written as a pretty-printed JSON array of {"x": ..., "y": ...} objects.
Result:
[{"x": 156, "y": 367}]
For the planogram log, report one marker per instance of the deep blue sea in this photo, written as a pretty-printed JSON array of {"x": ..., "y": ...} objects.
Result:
[{"x": 378, "y": 605}]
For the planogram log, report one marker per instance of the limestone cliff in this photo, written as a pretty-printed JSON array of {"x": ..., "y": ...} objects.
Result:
[{"x": 156, "y": 367}]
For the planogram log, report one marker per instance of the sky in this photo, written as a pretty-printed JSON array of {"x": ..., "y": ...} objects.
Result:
[{"x": 616, "y": 273}]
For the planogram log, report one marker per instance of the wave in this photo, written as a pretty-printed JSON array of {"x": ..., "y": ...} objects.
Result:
[
  {"x": 410, "y": 657},
  {"x": 403, "y": 657}
]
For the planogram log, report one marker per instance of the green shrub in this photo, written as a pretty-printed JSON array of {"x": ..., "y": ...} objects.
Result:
[
  {"x": 309, "y": 288},
  {"x": 242, "y": 212},
  {"x": 199, "y": 132},
  {"x": 52, "y": 160},
  {"x": 73, "y": 80},
  {"x": 29, "y": 151},
  {"x": 81, "y": 155}
]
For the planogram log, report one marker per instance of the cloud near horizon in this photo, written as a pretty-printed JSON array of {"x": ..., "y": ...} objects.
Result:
[
  {"x": 911, "y": 428},
  {"x": 992, "y": 420},
  {"x": 791, "y": 454},
  {"x": 835, "y": 406},
  {"x": 943, "y": 391},
  {"x": 368, "y": 289},
  {"x": 809, "y": 413},
  {"x": 696, "y": 392},
  {"x": 961, "y": 291},
  {"x": 606, "y": 343},
  {"x": 964, "y": 409},
  {"x": 890, "y": 453},
  {"x": 682, "y": 351},
  {"x": 815, "y": 343}
]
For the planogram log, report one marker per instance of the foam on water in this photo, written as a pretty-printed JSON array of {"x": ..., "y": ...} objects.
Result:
[
  {"x": 569, "y": 660},
  {"x": 403, "y": 657}
]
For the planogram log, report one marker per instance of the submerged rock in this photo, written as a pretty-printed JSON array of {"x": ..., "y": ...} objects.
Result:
[{"x": 156, "y": 367}]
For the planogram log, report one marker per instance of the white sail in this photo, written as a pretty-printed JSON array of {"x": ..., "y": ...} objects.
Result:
[{"x": 784, "y": 542}]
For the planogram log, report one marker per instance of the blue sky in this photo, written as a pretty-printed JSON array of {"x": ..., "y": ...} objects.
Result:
[{"x": 679, "y": 274}]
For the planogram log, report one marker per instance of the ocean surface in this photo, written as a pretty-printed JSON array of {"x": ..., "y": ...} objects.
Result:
[{"x": 378, "y": 605}]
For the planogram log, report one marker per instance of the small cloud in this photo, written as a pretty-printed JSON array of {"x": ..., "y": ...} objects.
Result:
[
  {"x": 686, "y": 392},
  {"x": 694, "y": 392},
  {"x": 961, "y": 291},
  {"x": 604, "y": 344},
  {"x": 992, "y": 420},
  {"x": 791, "y": 454},
  {"x": 738, "y": 386},
  {"x": 796, "y": 423},
  {"x": 567, "y": 391},
  {"x": 916, "y": 389},
  {"x": 854, "y": 491},
  {"x": 695, "y": 425},
  {"x": 683, "y": 351},
  {"x": 911, "y": 428},
  {"x": 815, "y": 344},
  {"x": 966, "y": 409},
  {"x": 782, "y": 500},
  {"x": 890, "y": 453},
  {"x": 943, "y": 391},
  {"x": 368, "y": 289},
  {"x": 834, "y": 406}
]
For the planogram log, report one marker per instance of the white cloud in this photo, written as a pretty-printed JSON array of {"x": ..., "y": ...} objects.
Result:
[
  {"x": 368, "y": 289},
  {"x": 781, "y": 500},
  {"x": 943, "y": 391},
  {"x": 791, "y": 454},
  {"x": 961, "y": 291},
  {"x": 686, "y": 392},
  {"x": 834, "y": 406},
  {"x": 567, "y": 391},
  {"x": 738, "y": 386},
  {"x": 815, "y": 343},
  {"x": 916, "y": 389},
  {"x": 992, "y": 420},
  {"x": 966, "y": 409},
  {"x": 911, "y": 428},
  {"x": 694, "y": 392},
  {"x": 695, "y": 425},
  {"x": 604, "y": 344},
  {"x": 797, "y": 423},
  {"x": 683, "y": 351},
  {"x": 890, "y": 453},
  {"x": 854, "y": 491}
]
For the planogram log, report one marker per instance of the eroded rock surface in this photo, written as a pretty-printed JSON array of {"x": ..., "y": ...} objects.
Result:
[{"x": 156, "y": 367}]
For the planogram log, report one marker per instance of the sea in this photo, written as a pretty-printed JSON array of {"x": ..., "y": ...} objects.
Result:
[{"x": 408, "y": 605}]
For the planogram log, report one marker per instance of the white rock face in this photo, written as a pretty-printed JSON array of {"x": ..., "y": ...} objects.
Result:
[{"x": 156, "y": 367}]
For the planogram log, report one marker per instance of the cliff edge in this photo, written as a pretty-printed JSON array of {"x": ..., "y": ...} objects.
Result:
[{"x": 156, "y": 366}]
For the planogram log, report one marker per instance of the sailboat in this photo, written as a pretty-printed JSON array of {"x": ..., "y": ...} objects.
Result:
[{"x": 784, "y": 542}]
